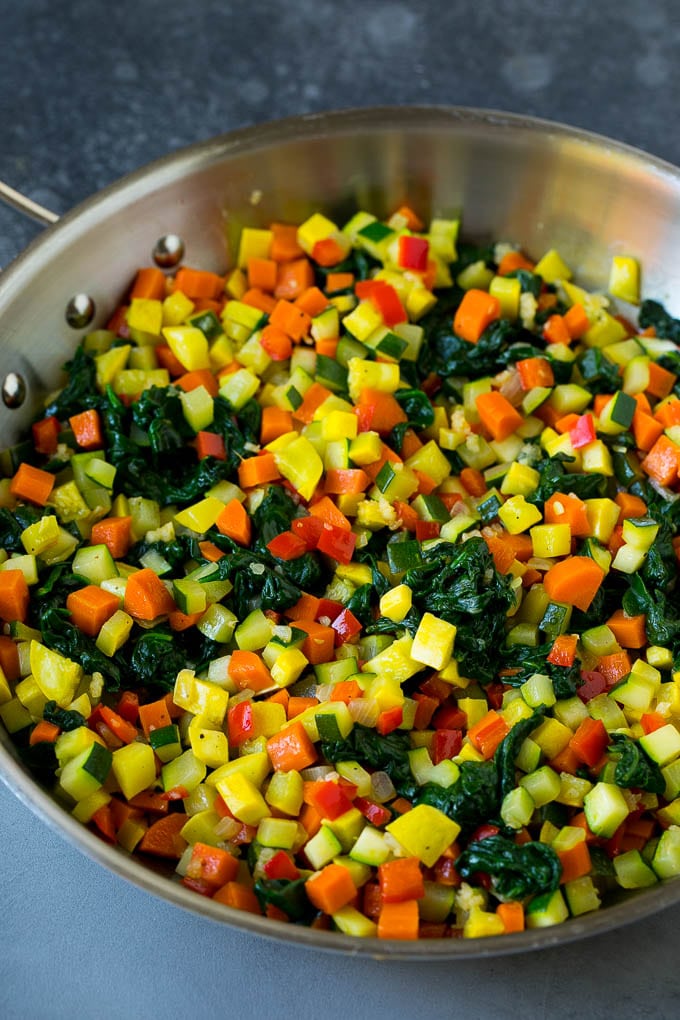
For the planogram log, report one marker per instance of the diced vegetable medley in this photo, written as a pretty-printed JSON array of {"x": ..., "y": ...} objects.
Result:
[{"x": 346, "y": 581}]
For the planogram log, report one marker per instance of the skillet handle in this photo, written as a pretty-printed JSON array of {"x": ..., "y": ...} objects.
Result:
[{"x": 26, "y": 205}]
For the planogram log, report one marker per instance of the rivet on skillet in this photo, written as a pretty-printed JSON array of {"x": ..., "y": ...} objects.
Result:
[
  {"x": 13, "y": 390},
  {"x": 80, "y": 311},
  {"x": 168, "y": 251}
]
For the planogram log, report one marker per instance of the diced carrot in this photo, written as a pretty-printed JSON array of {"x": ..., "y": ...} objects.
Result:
[
  {"x": 210, "y": 444},
  {"x": 149, "y": 283},
  {"x": 629, "y": 631},
  {"x": 163, "y": 838},
  {"x": 281, "y": 697},
  {"x": 43, "y": 733},
  {"x": 234, "y": 522},
  {"x": 473, "y": 480},
  {"x": 304, "y": 609},
  {"x": 276, "y": 343},
  {"x": 535, "y": 372},
  {"x": 198, "y": 283},
  {"x": 293, "y": 278},
  {"x": 331, "y": 888},
  {"x": 567, "y": 423},
  {"x": 146, "y": 597},
  {"x": 477, "y": 310},
  {"x": 346, "y": 480},
  {"x": 487, "y": 734},
  {"x": 298, "y": 703},
  {"x": 180, "y": 621},
  {"x": 291, "y": 748},
  {"x": 210, "y": 551},
  {"x": 512, "y": 261},
  {"x": 661, "y": 463},
  {"x": 661, "y": 381},
  {"x": 326, "y": 510},
  {"x": 566, "y": 760},
  {"x": 512, "y": 916},
  {"x": 575, "y": 862},
  {"x": 198, "y": 377},
  {"x": 574, "y": 580},
  {"x": 238, "y": 897},
  {"x": 154, "y": 716},
  {"x": 668, "y": 412},
  {"x": 248, "y": 671},
  {"x": 212, "y": 864},
  {"x": 9, "y": 658},
  {"x": 151, "y": 802},
  {"x": 257, "y": 470},
  {"x": 399, "y": 920},
  {"x": 319, "y": 645},
  {"x": 90, "y": 607},
  {"x": 259, "y": 299},
  {"x": 262, "y": 273},
  {"x": 328, "y": 252},
  {"x": 32, "y": 484},
  {"x": 275, "y": 422},
  {"x": 312, "y": 399},
  {"x": 312, "y": 301},
  {"x": 576, "y": 321},
  {"x": 613, "y": 667},
  {"x": 336, "y": 282},
  {"x": 497, "y": 414},
  {"x": 401, "y": 879},
  {"x": 115, "y": 533},
  {"x": 546, "y": 300},
  {"x": 14, "y": 596},
  {"x": 166, "y": 359},
  {"x": 284, "y": 246},
  {"x": 631, "y": 506},
  {"x": 567, "y": 508},
  {"x": 556, "y": 331}
]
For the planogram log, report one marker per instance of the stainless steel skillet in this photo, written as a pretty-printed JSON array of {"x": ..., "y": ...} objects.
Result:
[{"x": 514, "y": 178}]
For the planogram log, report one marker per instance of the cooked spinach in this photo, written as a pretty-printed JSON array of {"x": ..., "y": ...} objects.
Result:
[
  {"x": 59, "y": 634},
  {"x": 634, "y": 768},
  {"x": 417, "y": 407},
  {"x": 63, "y": 718},
  {"x": 471, "y": 800},
  {"x": 662, "y": 618},
  {"x": 600, "y": 375},
  {"x": 526, "y": 660},
  {"x": 460, "y": 584},
  {"x": 508, "y": 749},
  {"x": 257, "y": 582},
  {"x": 555, "y": 478},
  {"x": 13, "y": 523},
  {"x": 80, "y": 391},
  {"x": 516, "y": 871},
  {"x": 288, "y": 895},
  {"x": 653, "y": 313},
  {"x": 385, "y": 753}
]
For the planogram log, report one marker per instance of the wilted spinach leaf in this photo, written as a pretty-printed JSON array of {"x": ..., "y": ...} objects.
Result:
[{"x": 516, "y": 871}]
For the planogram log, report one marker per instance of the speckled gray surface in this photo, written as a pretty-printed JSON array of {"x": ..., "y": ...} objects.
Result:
[{"x": 91, "y": 90}]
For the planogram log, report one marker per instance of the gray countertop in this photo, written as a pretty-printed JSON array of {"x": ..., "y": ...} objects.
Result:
[{"x": 90, "y": 91}]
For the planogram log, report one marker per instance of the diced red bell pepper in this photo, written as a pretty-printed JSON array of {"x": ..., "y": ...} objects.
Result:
[
  {"x": 449, "y": 717},
  {"x": 446, "y": 744},
  {"x": 329, "y": 608},
  {"x": 427, "y": 529},
  {"x": 376, "y": 814},
  {"x": 346, "y": 626},
  {"x": 128, "y": 706},
  {"x": 46, "y": 435},
  {"x": 426, "y": 706},
  {"x": 329, "y": 799},
  {"x": 210, "y": 444},
  {"x": 388, "y": 303},
  {"x": 583, "y": 432},
  {"x": 494, "y": 695},
  {"x": 412, "y": 253},
  {"x": 337, "y": 543},
  {"x": 287, "y": 546},
  {"x": 389, "y": 720},
  {"x": 308, "y": 529},
  {"x": 240, "y": 723},
  {"x": 484, "y": 832},
  {"x": 593, "y": 684},
  {"x": 281, "y": 866},
  {"x": 590, "y": 741}
]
